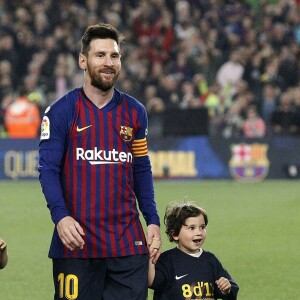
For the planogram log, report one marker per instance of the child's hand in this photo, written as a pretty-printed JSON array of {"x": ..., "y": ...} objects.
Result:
[
  {"x": 224, "y": 285},
  {"x": 154, "y": 248},
  {"x": 3, "y": 254},
  {"x": 3, "y": 245}
]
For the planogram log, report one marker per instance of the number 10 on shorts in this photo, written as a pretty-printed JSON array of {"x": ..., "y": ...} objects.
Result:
[{"x": 68, "y": 286}]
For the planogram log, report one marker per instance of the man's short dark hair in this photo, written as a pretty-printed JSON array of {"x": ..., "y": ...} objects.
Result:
[{"x": 99, "y": 31}]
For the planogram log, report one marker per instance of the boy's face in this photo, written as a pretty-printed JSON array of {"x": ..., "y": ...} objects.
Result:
[{"x": 192, "y": 235}]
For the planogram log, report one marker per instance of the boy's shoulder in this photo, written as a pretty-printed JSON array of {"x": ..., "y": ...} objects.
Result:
[
  {"x": 172, "y": 251},
  {"x": 177, "y": 252}
]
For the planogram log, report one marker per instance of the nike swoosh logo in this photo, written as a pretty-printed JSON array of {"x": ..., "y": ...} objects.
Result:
[
  {"x": 83, "y": 128},
  {"x": 179, "y": 277}
]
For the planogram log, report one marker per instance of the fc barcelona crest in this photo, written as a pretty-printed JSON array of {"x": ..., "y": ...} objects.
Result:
[
  {"x": 126, "y": 133},
  {"x": 249, "y": 162}
]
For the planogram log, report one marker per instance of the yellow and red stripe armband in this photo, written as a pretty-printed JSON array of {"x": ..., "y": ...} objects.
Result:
[{"x": 140, "y": 147}]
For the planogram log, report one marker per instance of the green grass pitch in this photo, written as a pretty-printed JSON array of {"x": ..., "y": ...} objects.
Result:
[{"x": 253, "y": 229}]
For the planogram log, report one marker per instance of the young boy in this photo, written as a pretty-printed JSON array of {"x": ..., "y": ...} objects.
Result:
[
  {"x": 3, "y": 254},
  {"x": 187, "y": 271}
]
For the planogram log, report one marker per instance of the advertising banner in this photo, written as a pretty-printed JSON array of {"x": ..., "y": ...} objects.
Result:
[
  {"x": 19, "y": 158},
  {"x": 190, "y": 157}
]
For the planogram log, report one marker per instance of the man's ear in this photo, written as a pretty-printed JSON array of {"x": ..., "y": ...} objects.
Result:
[{"x": 82, "y": 61}]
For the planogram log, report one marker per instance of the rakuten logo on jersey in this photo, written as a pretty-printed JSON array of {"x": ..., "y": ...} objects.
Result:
[{"x": 101, "y": 157}]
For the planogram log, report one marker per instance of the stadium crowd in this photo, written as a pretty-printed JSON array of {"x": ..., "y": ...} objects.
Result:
[{"x": 238, "y": 59}]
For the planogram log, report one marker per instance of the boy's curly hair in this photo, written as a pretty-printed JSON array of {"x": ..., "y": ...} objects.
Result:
[{"x": 176, "y": 215}]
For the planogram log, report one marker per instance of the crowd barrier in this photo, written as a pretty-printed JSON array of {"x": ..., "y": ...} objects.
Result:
[{"x": 192, "y": 157}]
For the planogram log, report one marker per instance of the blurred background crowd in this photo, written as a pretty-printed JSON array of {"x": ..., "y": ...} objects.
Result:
[{"x": 238, "y": 59}]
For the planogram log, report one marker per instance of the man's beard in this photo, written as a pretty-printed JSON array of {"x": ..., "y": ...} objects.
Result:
[{"x": 103, "y": 85}]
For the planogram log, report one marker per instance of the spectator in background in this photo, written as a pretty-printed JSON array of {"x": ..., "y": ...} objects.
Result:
[
  {"x": 154, "y": 106},
  {"x": 7, "y": 78},
  {"x": 8, "y": 50},
  {"x": 253, "y": 126},
  {"x": 214, "y": 100},
  {"x": 233, "y": 121},
  {"x": 153, "y": 103},
  {"x": 6, "y": 99},
  {"x": 288, "y": 67},
  {"x": 169, "y": 92},
  {"x": 253, "y": 72},
  {"x": 65, "y": 67},
  {"x": 241, "y": 89},
  {"x": 189, "y": 97},
  {"x": 271, "y": 75},
  {"x": 268, "y": 101},
  {"x": 283, "y": 120},
  {"x": 180, "y": 68},
  {"x": 279, "y": 36},
  {"x": 22, "y": 117},
  {"x": 231, "y": 72},
  {"x": 184, "y": 27}
]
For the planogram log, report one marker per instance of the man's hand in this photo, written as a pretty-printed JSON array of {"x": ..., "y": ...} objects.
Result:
[
  {"x": 70, "y": 233},
  {"x": 154, "y": 242}
]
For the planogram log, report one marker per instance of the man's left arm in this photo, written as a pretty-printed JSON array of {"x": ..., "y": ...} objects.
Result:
[
  {"x": 144, "y": 186},
  {"x": 144, "y": 189}
]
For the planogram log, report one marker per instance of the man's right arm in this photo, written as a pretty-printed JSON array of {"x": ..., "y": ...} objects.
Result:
[{"x": 49, "y": 168}]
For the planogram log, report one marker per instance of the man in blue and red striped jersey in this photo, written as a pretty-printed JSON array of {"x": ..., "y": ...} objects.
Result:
[{"x": 94, "y": 169}]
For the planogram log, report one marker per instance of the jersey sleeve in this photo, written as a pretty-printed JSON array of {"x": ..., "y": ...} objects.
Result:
[
  {"x": 143, "y": 180},
  {"x": 163, "y": 275},
  {"x": 54, "y": 131}
]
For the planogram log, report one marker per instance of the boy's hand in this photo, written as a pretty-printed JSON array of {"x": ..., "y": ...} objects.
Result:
[
  {"x": 224, "y": 285},
  {"x": 155, "y": 245},
  {"x": 155, "y": 249},
  {"x": 3, "y": 245},
  {"x": 154, "y": 242}
]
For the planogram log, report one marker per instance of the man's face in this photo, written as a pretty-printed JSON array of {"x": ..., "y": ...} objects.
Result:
[{"x": 103, "y": 63}]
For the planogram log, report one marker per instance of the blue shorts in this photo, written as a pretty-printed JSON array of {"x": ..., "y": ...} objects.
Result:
[{"x": 122, "y": 278}]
